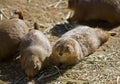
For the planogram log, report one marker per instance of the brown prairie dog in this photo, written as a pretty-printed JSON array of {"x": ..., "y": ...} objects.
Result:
[
  {"x": 76, "y": 44},
  {"x": 11, "y": 32},
  {"x": 84, "y": 10},
  {"x": 35, "y": 50}
]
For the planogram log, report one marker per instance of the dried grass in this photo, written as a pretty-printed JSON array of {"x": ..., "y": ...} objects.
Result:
[{"x": 102, "y": 67}]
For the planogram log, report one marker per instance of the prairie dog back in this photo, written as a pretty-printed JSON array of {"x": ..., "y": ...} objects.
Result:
[
  {"x": 35, "y": 37},
  {"x": 35, "y": 50},
  {"x": 11, "y": 32},
  {"x": 84, "y": 10}
]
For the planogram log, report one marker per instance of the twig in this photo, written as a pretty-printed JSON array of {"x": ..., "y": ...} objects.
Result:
[
  {"x": 118, "y": 78},
  {"x": 47, "y": 76},
  {"x": 1, "y": 17},
  {"x": 57, "y": 69},
  {"x": 56, "y": 5},
  {"x": 18, "y": 80},
  {"x": 3, "y": 13},
  {"x": 68, "y": 15},
  {"x": 114, "y": 67},
  {"x": 43, "y": 76}
]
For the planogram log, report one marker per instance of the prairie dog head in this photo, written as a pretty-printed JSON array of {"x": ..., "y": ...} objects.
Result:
[
  {"x": 30, "y": 63},
  {"x": 65, "y": 52}
]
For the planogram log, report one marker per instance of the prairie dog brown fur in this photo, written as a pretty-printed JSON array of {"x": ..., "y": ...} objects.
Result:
[
  {"x": 76, "y": 44},
  {"x": 84, "y": 10},
  {"x": 35, "y": 50},
  {"x": 11, "y": 32},
  {"x": 20, "y": 14}
]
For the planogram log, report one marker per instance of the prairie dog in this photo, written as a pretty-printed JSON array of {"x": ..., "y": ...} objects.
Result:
[
  {"x": 35, "y": 50},
  {"x": 84, "y": 10},
  {"x": 76, "y": 44},
  {"x": 11, "y": 32}
]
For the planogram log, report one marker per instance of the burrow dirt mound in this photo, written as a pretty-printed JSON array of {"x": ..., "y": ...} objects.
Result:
[{"x": 101, "y": 67}]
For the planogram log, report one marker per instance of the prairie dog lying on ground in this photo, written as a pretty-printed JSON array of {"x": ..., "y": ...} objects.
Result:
[
  {"x": 84, "y": 10},
  {"x": 35, "y": 50},
  {"x": 76, "y": 44},
  {"x": 11, "y": 32}
]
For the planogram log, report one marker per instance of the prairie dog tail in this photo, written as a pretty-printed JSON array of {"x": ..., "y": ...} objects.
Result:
[
  {"x": 102, "y": 34},
  {"x": 112, "y": 33}
]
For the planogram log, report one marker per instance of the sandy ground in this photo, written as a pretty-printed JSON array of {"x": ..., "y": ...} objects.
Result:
[{"x": 102, "y": 67}]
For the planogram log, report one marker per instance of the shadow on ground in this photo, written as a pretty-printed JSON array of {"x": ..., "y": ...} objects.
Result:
[
  {"x": 60, "y": 29},
  {"x": 15, "y": 75}
]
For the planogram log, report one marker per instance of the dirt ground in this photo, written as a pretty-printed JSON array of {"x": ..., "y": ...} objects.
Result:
[{"x": 102, "y": 67}]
